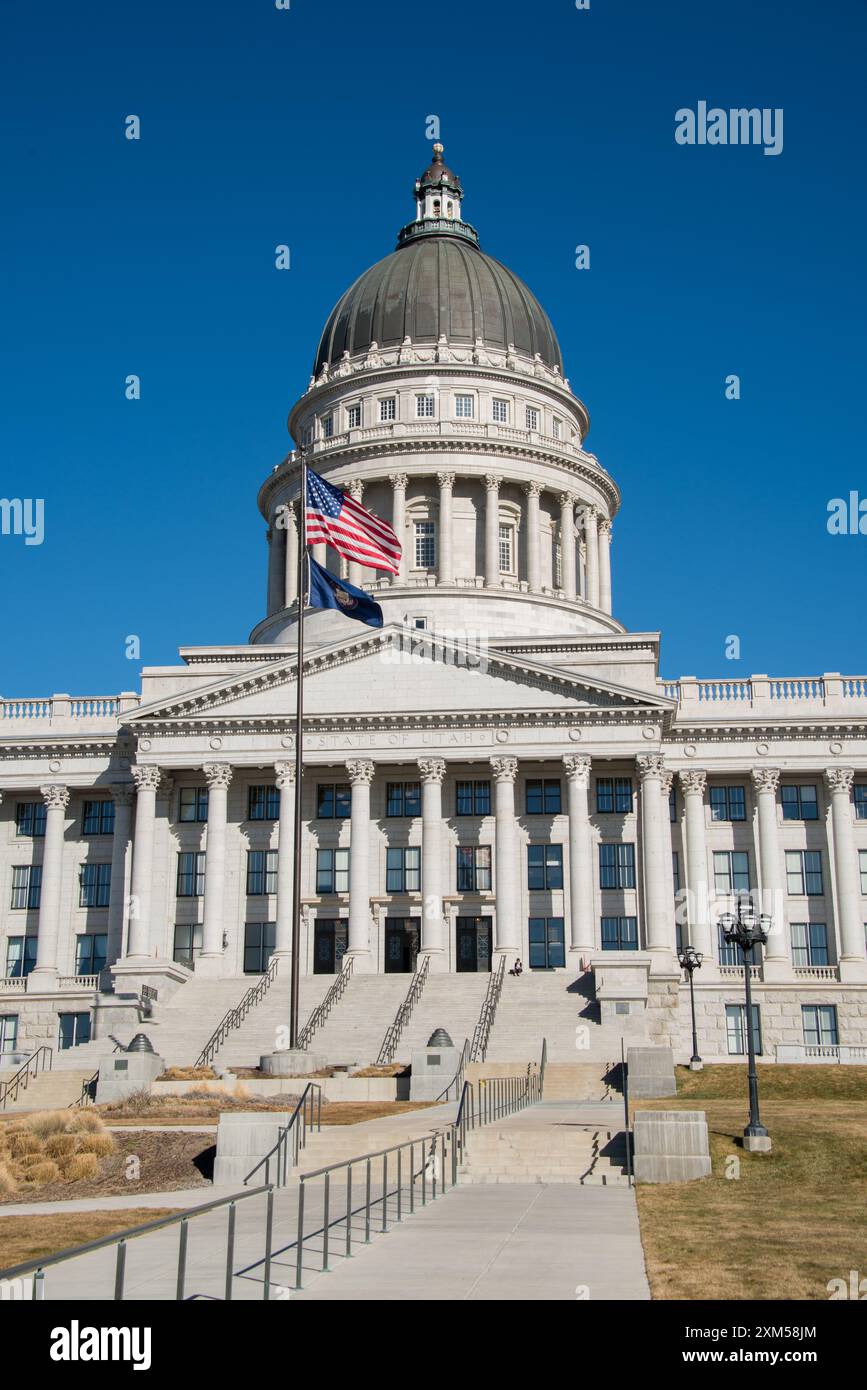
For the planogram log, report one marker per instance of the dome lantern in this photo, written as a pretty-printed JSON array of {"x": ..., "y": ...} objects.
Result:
[{"x": 438, "y": 196}]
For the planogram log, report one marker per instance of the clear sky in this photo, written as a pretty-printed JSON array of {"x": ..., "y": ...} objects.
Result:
[{"x": 307, "y": 127}]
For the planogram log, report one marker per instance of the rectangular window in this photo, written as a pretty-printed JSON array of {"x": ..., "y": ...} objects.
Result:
[
  {"x": 98, "y": 818},
  {"x": 675, "y": 870},
  {"x": 474, "y": 868},
  {"x": 94, "y": 885},
  {"x": 547, "y": 943},
  {"x": 332, "y": 871},
  {"x": 464, "y": 408},
  {"x": 193, "y": 804},
  {"x": 403, "y": 870},
  {"x": 727, "y": 803},
  {"x": 328, "y": 427},
  {"x": 424, "y": 407},
  {"x": 500, "y": 412},
  {"x": 543, "y": 797},
  {"x": 620, "y": 933},
  {"x": 259, "y": 942},
  {"x": 20, "y": 956},
  {"x": 736, "y": 1033},
  {"x": 425, "y": 545},
  {"x": 862, "y": 860},
  {"x": 388, "y": 408},
  {"x": 616, "y": 866},
  {"x": 30, "y": 819},
  {"x": 859, "y": 796},
  {"x": 532, "y": 418},
  {"x": 672, "y": 806},
  {"x": 473, "y": 799},
  {"x": 191, "y": 874},
  {"x": 8, "y": 1033},
  {"x": 799, "y": 803},
  {"x": 731, "y": 872},
  {"x": 353, "y": 417},
  {"x": 558, "y": 429},
  {"x": 90, "y": 951},
  {"x": 809, "y": 943},
  {"x": 507, "y": 550},
  {"x": 403, "y": 799},
  {"x": 26, "y": 886},
  {"x": 333, "y": 801},
  {"x": 188, "y": 942},
  {"x": 544, "y": 867},
  {"x": 261, "y": 872},
  {"x": 613, "y": 795},
  {"x": 263, "y": 803},
  {"x": 730, "y": 952},
  {"x": 804, "y": 873},
  {"x": 820, "y": 1025},
  {"x": 74, "y": 1030}
]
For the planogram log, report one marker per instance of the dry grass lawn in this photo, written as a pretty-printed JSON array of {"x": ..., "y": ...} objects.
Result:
[
  {"x": 205, "y": 1106},
  {"x": 791, "y": 1220},
  {"x": 24, "y": 1238}
]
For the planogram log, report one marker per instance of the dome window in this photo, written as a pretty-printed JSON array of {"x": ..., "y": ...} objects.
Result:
[
  {"x": 328, "y": 427},
  {"x": 500, "y": 412},
  {"x": 388, "y": 408},
  {"x": 353, "y": 417},
  {"x": 507, "y": 549},
  {"x": 558, "y": 429},
  {"x": 424, "y": 407},
  {"x": 450, "y": 210},
  {"x": 437, "y": 207},
  {"x": 425, "y": 545},
  {"x": 532, "y": 418},
  {"x": 464, "y": 409}
]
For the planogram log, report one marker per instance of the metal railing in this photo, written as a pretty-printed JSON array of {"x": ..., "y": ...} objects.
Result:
[
  {"x": 38, "y": 1267},
  {"x": 88, "y": 1092},
  {"x": 403, "y": 1015},
  {"x": 321, "y": 1012},
  {"x": 40, "y": 1060},
  {"x": 543, "y": 1063},
  {"x": 236, "y": 1015},
  {"x": 482, "y": 1031},
  {"x": 624, "y": 1074},
  {"x": 292, "y": 1138},
  {"x": 457, "y": 1080}
]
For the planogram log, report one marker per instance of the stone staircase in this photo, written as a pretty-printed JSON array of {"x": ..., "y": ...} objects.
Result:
[
  {"x": 555, "y": 1006},
  {"x": 582, "y": 1081},
  {"x": 453, "y": 1002},
  {"x": 260, "y": 1030},
  {"x": 547, "y": 1143},
  {"x": 50, "y": 1090}
]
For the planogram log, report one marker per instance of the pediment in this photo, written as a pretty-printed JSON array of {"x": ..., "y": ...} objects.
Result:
[{"x": 393, "y": 672}]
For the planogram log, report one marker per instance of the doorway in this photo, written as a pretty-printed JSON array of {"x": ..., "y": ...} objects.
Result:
[
  {"x": 473, "y": 943},
  {"x": 330, "y": 939},
  {"x": 402, "y": 940}
]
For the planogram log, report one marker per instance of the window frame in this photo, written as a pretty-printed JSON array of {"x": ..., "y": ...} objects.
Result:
[
  {"x": 336, "y": 794},
  {"x": 332, "y": 870},
  {"x": 550, "y": 790},
  {"x": 198, "y": 804},
  {"x": 474, "y": 868},
  {"x": 479, "y": 795},
  {"x": 544, "y": 867},
  {"x": 195, "y": 875},
  {"x": 625, "y": 935},
  {"x": 618, "y": 866},
  {"x": 726, "y": 803},
  {"x": 403, "y": 869},
  {"x": 94, "y": 885}
]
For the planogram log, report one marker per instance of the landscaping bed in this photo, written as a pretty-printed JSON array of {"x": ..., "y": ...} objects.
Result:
[{"x": 24, "y": 1238}]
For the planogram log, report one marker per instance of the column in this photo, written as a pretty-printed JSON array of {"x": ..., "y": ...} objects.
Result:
[
  {"x": 356, "y": 491},
  {"x": 492, "y": 530},
  {"x": 567, "y": 544},
  {"x": 285, "y": 781},
  {"x": 698, "y": 934},
  {"x": 122, "y": 796},
  {"x": 853, "y": 966},
  {"x": 445, "y": 551},
  {"x": 605, "y": 565},
  {"x": 56, "y": 798},
  {"x": 656, "y": 859},
  {"x": 292, "y": 539},
  {"x": 146, "y": 780},
  {"x": 218, "y": 777},
  {"x": 776, "y": 954},
  {"x": 670, "y": 904},
  {"x": 398, "y": 519},
  {"x": 276, "y": 565},
  {"x": 432, "y": 771},
  {"x": 582, "y": 906},
  {"x": 508, "y": 866},
  {"x": 534, "y": 537},
  {"x": 591, "y": 540},
  {"x": 360, "y": 775}
]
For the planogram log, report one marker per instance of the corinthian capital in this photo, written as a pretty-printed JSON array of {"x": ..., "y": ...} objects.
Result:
[
  {"x": 839, "y": 779},
  {"x": 121, "y": 793},
  {"x": 55, "y": 795},
  {"x": 492, "y": 482},
  {"x": 693, "y": 779},
  {"x": 505, "y": 769},
  {"x": 532, "y": 489},
  {"x": 398, "y": 481},
  {"x": 651, "y": 766},
  {"x": 285, "y": 775},
  {"x": 146, "y": 778},
  {"x": 446, "y": 481},
  {"x": 432, "y": 769},
  {"x": 577, "y": 766},
  {"x": 361, "y": 772},
  {"x": 765, "y": 779},
  {"x": 218, "y": 775}
]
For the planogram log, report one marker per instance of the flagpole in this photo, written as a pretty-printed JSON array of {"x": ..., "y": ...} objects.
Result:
[{"x": 299, "y": 761}]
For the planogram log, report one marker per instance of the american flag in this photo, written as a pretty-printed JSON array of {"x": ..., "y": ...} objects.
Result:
[{"x": 337, "y": 519}]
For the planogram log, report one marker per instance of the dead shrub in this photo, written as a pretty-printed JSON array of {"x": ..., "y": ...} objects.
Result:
[
  {"x": 46, "y": 1122},
  {"x": 8, "y": 1180},
  {"x": 21, "y": 1142},
  {"x": 45, "y": 1170},
  {"x": 79, "y": 1166},
  {"x": 98, "y": 1144},
  {"x": 59, "y": 1145}
]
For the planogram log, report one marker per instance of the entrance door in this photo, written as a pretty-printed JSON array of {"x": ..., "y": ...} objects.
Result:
[
  {"x": 473, "y": 943},
  {"x": 329, "y": 946},
  {"x": 401, "y": 944}
]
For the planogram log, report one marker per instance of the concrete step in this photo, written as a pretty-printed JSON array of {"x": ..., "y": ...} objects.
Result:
[{"x": 50, "y": 1090}]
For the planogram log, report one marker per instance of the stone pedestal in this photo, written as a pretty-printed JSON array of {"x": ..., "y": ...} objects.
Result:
[
  {"x": 291, "y": 1062},
  {"x": 651, "y": 1072},
  {"x": 670, "y": 1146},
  {"x": 243, "y": 1139},
  {"x": 432, "y": 1070},
  {"x": 758, "y": 1143},
  {"x": 621, "y": 980},
  {"x": 126, "y": 1072}
]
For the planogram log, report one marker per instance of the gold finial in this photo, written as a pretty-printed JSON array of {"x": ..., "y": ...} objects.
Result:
[{"x": 438, "y": 153}]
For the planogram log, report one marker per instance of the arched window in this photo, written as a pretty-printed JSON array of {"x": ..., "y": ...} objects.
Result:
[
  {"x": 450, "y": 210},
  {"x": 437, "y": 207}
]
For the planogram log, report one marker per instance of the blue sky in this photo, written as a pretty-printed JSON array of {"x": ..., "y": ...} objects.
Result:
[{"x": 307, "y": 126}]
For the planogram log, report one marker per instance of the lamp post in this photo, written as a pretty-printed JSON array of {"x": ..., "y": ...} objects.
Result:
[
  {"x": 690, "y": 961},
  {"x": 747, "y": 930}
]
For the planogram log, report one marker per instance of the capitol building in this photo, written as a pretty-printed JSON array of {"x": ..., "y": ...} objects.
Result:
[{"x": 498, "y": 773}]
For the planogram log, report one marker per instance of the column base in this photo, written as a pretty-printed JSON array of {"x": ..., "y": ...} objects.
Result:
[
  {"x": 210, "y": 967},
  {"x": 362, "y": 960},
  {"x": 777, "y": 969},
  {"x": 853, "y": 970},
  {"x": 578, "y": 958},
  {"x": 44, "y": 977},
  {"x": 664, "y": 962}
]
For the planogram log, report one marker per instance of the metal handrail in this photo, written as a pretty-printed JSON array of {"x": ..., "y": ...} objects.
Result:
[
  {"x": 482, "y": 1031},
  {"x": 236, "y": 1015},
  {"x": 88, "y": 1090},
  {"x": 20, "y": 1081},
  {"x": 624, "y": 1073},
  {"x": 306, "y": 1115},
  {"x": 321, "y": 1012},
  {"x": 120, "y": 1239},
  {"x": 458, "y": 1077},
  {"x": 403, "y": 1015},
  {"x": 542, "y": 1065}
]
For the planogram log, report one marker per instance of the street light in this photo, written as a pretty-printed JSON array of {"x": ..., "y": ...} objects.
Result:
[
  {"x": 748, "y": 930},
  {"x": 690, "y": 961}
]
